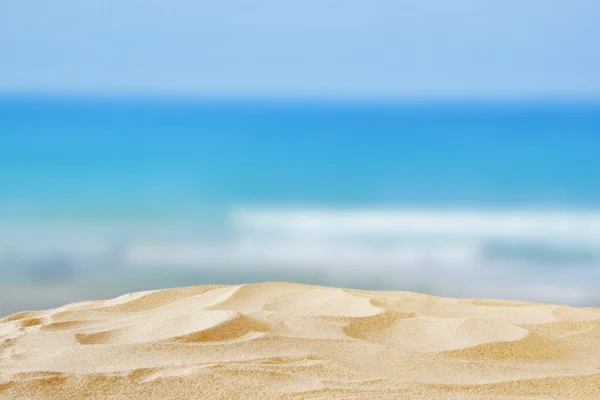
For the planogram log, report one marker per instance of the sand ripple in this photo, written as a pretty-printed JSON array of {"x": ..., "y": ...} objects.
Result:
[{"x": 289, "y": 341}]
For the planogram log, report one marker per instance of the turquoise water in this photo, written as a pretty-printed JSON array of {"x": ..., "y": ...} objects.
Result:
[
  {"x": 156, "y": 154},
  {"x": 402, "y": 195}
]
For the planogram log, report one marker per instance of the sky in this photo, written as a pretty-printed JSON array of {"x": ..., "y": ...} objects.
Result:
[{"x": 388, "y": 48}]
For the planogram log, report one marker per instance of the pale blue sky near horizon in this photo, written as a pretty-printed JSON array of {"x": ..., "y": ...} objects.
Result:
[{"x": 389, "y": 48}]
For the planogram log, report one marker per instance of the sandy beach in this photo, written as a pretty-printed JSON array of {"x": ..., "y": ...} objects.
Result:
[{"x": 291, "y": 341}]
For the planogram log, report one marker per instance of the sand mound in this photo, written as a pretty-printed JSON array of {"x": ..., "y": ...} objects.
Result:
[{"x": 289, "y": 341}]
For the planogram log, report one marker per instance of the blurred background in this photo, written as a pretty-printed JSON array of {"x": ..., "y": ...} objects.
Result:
[{"x": 450, "y": 148}]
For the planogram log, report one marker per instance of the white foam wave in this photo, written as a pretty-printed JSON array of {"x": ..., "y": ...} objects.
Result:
[
  {"x": 298, "y": 254},
  {"x": 564, "y": 225},
  {"x": 392, "y": 240}
]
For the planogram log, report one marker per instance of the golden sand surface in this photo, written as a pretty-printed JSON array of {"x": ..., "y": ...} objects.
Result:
[{"x": 292, "y": 341}]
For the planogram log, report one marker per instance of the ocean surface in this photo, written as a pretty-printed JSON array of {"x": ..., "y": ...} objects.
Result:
[{"x": 99, "y": 197}]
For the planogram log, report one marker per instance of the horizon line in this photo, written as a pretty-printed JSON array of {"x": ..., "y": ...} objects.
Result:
[{"x": 292, "y": 97}]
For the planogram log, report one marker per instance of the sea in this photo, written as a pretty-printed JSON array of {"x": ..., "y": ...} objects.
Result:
[{"x": 488, "y": 199}]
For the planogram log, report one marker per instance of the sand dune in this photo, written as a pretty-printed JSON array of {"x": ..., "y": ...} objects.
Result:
[{"x": 289, "y": 341}]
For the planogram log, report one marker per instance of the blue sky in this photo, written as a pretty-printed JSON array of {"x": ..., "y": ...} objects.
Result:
[{"x": 397, "y": 48}]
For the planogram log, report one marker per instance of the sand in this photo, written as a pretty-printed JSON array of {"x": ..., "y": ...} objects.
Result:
[{"x": 291, "y": 341}]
